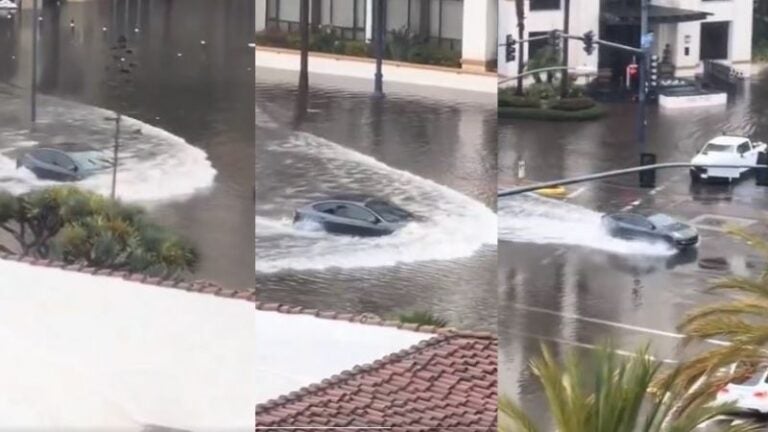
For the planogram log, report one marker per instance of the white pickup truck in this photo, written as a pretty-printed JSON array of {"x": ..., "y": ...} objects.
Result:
[{"x": 725, "y": 150}]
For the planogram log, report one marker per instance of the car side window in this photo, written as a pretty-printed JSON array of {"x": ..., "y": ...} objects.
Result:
[
  {"x": 352, "y": 211},
  {"x": 638, "y": 221},
  {"x": 45, "y": 156},
  {"x": 326, "y": 207},
  {"x": 743, "y": 147}
]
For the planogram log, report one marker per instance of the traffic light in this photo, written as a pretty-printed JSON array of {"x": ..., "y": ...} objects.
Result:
[
  {"x": 511, "y": 48},
  {"x": 554, "y": 39},
  {"x": 589, "y": 42},
  {"x": 653, "y": 72}
]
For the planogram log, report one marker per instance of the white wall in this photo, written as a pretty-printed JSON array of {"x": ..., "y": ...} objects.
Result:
[
  {"x": 479, "y": 29},
  {"x": 584, "y": 17},
  {"x": 261, "y": 14}
]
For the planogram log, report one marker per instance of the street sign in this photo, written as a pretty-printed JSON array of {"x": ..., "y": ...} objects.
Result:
[{"x": 647, "y": 40}]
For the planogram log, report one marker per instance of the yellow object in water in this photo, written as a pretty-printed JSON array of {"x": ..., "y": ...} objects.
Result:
[{"x": 552, "y": 192}]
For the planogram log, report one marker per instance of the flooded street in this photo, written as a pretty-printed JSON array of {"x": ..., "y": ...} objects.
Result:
[
  {"x": 187, "y": 138},
  {"x": 566, "y": 283},
  {"x": 423, "y": 151}
]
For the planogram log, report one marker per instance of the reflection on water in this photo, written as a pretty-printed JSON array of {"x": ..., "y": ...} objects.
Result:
[
  {"x": 429, "y": 157},
  {"x": 555, "y": 261},
  {"x": 189, "y": 145}
]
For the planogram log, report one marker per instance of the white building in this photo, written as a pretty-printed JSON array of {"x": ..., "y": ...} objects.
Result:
[
  {"x": 694, "y": 30},
  {"x": 465, "y": 26}
]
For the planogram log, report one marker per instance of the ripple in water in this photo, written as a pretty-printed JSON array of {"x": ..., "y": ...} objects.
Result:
[
  {"x": 154, "y": 165},
  {"x": 313, "y": 167},
  {"x": 533, "y": 219}
]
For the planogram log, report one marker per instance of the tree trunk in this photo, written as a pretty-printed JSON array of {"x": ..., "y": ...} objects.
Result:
[{"x": 519, "y": 9}]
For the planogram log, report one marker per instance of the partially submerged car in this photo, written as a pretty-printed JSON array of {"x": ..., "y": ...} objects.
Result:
[
  {"x": 749, "y": 393},
  {"x": 725, "y": 150},
  {"x": 657, "y": 227},
  {"x": 61, "y": 165},
  {"x": 356, "y": 215}
]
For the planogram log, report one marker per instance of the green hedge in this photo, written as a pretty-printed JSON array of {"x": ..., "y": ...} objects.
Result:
[
  {"x": 594, "y": 113},
  {"x": 397, "y": 48},
  {"x": 572, "y": 104}
]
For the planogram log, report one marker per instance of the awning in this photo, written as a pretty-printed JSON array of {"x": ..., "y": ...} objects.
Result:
[{"x": 620, "y": 14}]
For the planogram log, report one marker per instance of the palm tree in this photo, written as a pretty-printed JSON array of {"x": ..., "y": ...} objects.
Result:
[
  {"x": 612, "y": 397},
  {"x": 740, "y": 324}
]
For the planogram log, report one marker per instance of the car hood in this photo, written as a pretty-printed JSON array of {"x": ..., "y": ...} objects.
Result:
[
  {"x": 709, "y": 158},
  {"x": 684, "y": 233}
]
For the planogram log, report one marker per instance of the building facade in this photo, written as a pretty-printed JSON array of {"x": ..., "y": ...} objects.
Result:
[
  {"x": 464, "y": 26},
  {"x": 686, "y": 32}
]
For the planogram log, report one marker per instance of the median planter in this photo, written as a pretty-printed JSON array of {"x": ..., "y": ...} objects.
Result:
[{"x": 549, "y": 114}]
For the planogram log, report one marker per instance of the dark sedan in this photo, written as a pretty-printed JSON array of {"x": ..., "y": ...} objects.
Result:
[
  {"x": 657, "y": 227},
  {"x": 356, "y": 215},
  {"x": 61, "y": 165}
]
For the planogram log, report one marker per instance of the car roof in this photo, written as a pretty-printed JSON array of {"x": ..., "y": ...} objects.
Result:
[
  {"x": 356, "y": 198},
  {"x": 728, "y": 140}
]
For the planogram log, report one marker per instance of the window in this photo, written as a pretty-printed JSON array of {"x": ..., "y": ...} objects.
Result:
[
  {"x": 743, "y": 148},
  {"x": 63, "y": 160},
  {"x": 638, "y": 221},
  {"x": 352, "y": 211},
  {"x": 545, "y": 4},
  {"x": 388, "y": 212},
  {"x": 44, "y": 156},
  {"x": 536, "y": 45},
  {"x": 329, "y": 207},
  {"x": 718, "y": 148}
]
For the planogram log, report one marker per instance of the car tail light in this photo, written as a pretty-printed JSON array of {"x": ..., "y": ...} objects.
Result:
[{"x": 760, "y": 394}]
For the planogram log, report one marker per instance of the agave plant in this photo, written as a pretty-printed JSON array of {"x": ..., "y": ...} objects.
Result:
[
  {"x": 613, "y": 396},
  {"x": 77, "y": 226}
]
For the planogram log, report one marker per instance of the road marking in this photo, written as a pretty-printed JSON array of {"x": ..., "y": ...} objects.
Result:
[
  {"x": 590, "y": 346},
  {"x": 576, "y": 193},
  {"x": 612, "y": 323}
]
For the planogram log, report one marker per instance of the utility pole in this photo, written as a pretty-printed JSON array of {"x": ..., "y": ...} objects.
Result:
[
  {"x": 566, "y": 26},
  {"x": 304, "y": 30},
  {"x": 33, "y": 86},
  {"x": 378, "y": 13},
  {"x": 645, "y": 46}
]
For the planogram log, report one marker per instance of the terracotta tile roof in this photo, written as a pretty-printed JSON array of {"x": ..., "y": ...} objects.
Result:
[
  {"x": 204, "y": 287},
  {"x": 448, "y": 381}
]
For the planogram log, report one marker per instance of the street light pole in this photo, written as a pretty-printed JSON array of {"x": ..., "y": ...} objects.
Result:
[
  {"x": 33, "y": 86},
  {"x": 116, "y": 153},
  {"x": 643, "y": 70},
  {"x": 304, "y": 30},
  {"x": 566, "y": 27},
  {"x": 378, "y": 86}
]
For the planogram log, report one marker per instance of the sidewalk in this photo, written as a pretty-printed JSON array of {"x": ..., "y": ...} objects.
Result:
[{"x": 359, "y": 67}]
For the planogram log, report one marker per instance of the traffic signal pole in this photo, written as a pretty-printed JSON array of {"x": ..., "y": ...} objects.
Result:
[{"x": 645, "y": 41}]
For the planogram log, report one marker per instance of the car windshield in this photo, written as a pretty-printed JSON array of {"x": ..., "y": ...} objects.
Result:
[
  {"x": 752, "y": 379},
  {"x": 388, "y": 212},
  {"x": 718, "y": 148},
  {"x": 662, "y": 220},
  {"x": 90, "y": 160}
]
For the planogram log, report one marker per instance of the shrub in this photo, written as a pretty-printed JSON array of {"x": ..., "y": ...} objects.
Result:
[
  {"x": 507, "y": 98},
  {"x": 75, "y": 226},
  {"x": 434, "y": 55},
  {"x": 541, "y": 91},
  {"x": 356, "y": 48},
  {"x": 573, "y": 104},
  {"x": 423, "y": 318}
]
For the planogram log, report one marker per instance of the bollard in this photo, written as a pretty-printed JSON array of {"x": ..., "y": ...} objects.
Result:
[
  {"x": 761, "y": 174},
  {"x": 521, "y": 169},
  {"x": 647, "y": 178}
]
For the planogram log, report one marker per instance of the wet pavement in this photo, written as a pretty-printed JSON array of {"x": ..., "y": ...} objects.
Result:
[
  {"x": 565, "y": 283},
  {"x": 187, "y": 143},
  {"x": 431, "y": 152}
]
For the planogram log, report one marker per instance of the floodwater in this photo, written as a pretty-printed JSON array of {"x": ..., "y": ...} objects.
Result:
[
  {"x": 430, "y": 152},
  {"x": 567, "y": 284},
  {"x": 187, "y": 134}
]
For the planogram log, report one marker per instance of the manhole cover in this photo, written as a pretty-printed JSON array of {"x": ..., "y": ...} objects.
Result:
[{"x": 720, "y": 223}]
